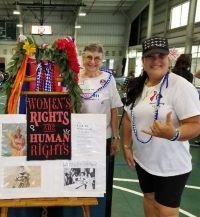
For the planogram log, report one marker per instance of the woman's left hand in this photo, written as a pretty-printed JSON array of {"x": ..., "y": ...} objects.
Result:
[
  {"x": 161, "y": 129},
  {"x": 115, "y": 146}
]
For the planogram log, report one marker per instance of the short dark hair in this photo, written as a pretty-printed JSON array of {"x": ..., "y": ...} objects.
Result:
[{"x": 94, "y": 47}]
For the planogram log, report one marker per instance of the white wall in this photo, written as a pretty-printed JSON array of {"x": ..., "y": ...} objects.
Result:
[{"x": 7, "y": 50}]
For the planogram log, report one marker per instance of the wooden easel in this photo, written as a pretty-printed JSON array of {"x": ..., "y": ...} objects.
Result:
[{"x": 84, "y": 202}]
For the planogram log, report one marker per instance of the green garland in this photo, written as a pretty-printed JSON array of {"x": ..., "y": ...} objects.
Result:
[{"x": 53, "y": 54}]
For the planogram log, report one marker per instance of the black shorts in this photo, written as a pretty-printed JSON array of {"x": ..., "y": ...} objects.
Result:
[{"x": 167, "y": 190}]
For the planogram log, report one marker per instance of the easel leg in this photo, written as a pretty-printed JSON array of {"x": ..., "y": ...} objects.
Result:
[
  {"x": 86, "y": 211},
  {"x": 4, "y": 211}
]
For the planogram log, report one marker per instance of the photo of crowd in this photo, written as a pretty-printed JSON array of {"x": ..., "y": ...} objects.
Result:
[{"x": 79, "y": 178}]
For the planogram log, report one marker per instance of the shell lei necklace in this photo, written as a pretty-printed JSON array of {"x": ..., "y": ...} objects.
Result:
[
  {"x": 100, "y": 88},
  {"x": 159, "y": 96}
]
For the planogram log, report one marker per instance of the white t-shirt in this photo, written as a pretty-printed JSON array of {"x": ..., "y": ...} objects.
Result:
[
  {"x": 104, "y": 100},
  {"x": 160, "y": 156}
]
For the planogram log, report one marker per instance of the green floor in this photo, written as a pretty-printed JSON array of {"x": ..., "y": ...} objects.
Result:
[{"x": 129, "y": 204}]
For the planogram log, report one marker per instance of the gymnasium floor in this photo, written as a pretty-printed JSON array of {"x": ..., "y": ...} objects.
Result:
[{"x": 127, "y": 197}]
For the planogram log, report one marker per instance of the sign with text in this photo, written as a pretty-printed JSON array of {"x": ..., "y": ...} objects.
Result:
[
  {"x": 84, "y": 175},
  {"x": 48, "y": 127}
]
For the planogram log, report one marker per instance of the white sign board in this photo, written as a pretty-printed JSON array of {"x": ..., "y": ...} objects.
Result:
[{"x": 82, "y": 176}]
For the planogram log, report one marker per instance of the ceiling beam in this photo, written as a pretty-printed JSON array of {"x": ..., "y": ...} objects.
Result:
[{"x": 49, "y": 5}]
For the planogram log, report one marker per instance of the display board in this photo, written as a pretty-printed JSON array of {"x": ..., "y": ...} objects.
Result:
[{"x": 82, "y": 176}]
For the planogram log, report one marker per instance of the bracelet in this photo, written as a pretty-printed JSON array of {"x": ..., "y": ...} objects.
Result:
[
  {"x": 116, "y": 137},
  {"x": 126, "y": 146},
  {"x": 176, "y": 135}
]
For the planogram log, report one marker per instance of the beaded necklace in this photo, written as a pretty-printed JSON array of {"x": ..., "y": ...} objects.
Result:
[
  {"x": 47, "y": 85},
  {"x": 38, "y": 77},
  {"x": 44, "y": 77},
  {"x": 159, "y": 96},
  {"x": 100, "y": 88}
]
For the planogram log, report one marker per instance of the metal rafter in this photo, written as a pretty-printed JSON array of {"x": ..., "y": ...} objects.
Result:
[
  {"x": 5, "y": 3},
  {"x": 43, "y": 6},
  {"x": 119, "y": 6},
  {"x": 91, "y": 6}
]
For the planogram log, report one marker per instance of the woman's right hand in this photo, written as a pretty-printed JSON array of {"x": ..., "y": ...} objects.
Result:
[
  {"x": 127, "y": 140},
  {"x": 128, "y": 155}
]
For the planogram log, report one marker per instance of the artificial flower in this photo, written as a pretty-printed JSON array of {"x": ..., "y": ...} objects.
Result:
[
  {"x": 72, "y": 55},
  {"x": 30, "y": 48},
  {"x": 68, "y": 46},
  {"x": 45, "y": 46},
  {"x": 22, "y": 38},
  {"x": 61, "y": 44}
]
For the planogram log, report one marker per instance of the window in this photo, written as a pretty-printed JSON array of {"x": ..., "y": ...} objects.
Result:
[
  {"x": 107, "y": 53},
  {"x": 197, "y": 16},
  {"x": 111, "y": 64},
  {"x": 8, "y": 29},
  {"x": 113, "y": 53},
  {"x": 196, "y": 62},
  {"x": 138, "y": 64},
  {"x": 120, "y": 53},
  {"x": 196, "y": 51},
  {"x": 179, "y": 15}
]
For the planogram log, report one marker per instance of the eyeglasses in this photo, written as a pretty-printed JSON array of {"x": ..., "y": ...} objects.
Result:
[{"x": 90, "y": 58}]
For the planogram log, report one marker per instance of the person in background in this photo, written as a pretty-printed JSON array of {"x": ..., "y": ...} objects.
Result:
[
  {"x": 100, "y": 96},
  {"x": 159, "y": 122},
  {"x": 197, "y": 142},
  {"x": 183, "y": 67}
]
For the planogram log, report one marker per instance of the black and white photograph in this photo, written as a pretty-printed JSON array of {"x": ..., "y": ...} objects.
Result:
[{"x": 79, "y": 178}]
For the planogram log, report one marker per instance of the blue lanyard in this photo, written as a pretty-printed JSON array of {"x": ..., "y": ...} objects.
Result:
[
  {"x": 165, "y": 80},
  {"x": 100, "y": 88},
  {"x": 159, "y": 96}
]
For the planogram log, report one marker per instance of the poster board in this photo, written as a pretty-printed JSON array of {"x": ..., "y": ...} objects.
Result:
[
  {"x": 48, "y": 127},
  {"x": 82, "y": 176}
]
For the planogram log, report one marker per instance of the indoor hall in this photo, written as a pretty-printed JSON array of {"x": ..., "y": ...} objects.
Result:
[{"x": 121, "y": 26}]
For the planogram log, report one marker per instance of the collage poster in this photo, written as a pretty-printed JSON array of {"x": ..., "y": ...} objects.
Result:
[{"x": 83, "y": 175}]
